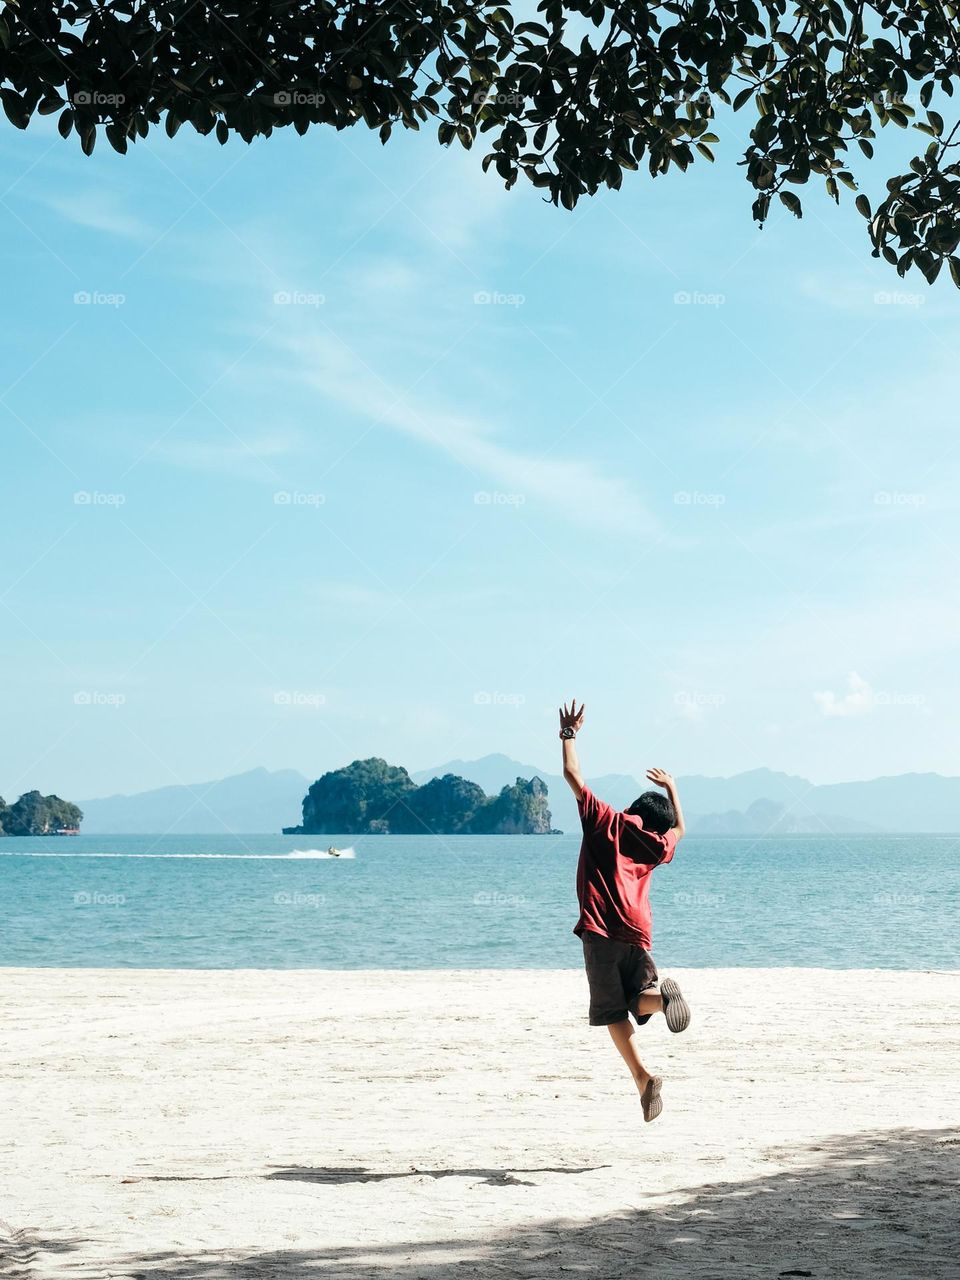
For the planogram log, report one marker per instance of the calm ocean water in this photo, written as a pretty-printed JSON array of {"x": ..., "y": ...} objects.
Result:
[{"x": 468, "y": 902}]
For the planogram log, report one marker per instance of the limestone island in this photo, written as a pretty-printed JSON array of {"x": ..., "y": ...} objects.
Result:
[
  {"x": 37, "y": 815},
  {"x": 371, "y": 796}
]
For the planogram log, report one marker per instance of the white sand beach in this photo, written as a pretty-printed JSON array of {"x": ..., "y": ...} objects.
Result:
[{"x": 432, "y": 1125}]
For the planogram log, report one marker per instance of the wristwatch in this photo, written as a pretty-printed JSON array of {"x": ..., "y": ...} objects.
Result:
[{"x": 568, "y": 732}]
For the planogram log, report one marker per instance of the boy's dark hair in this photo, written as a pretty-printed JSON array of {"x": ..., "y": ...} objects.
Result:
[{"x": 655, "y": 811}]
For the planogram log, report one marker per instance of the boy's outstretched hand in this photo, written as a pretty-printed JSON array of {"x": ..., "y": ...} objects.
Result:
[
  {"x": 572, "y": 718},
  {"x": 665, "y": 780}
]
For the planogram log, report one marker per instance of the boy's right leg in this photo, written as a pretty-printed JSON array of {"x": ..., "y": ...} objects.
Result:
[
  {"x": 667, "y": 1000},
  {"x": 649, "y": 1002},
  {"x": 624, "y": 1036}
]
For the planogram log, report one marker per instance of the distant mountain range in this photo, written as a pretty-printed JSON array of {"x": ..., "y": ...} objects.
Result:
[
  {"x": 745, "y": 804},
  {"x": 247, "y": 803},
  {"x": 926, "y": 802}
]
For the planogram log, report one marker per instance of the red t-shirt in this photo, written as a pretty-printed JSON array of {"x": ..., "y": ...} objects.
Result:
[{"x": 613, "y": 875}]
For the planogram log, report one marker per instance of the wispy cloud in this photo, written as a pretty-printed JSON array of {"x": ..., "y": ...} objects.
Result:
[
  {"x": 328, "y": 366},
  {"x": 351, "y": 598},
  {"x": 100, "y": 211},
  {"x": 456, "y": 204},
  {"x": 869, "y": 295},
  {"x": 246, "y": 458}
]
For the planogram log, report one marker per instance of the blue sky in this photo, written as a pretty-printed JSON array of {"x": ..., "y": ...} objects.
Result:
[{"x": 350, "y": 452}]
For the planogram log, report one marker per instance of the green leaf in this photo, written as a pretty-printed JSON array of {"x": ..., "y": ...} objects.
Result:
[
  {"x": 792, "y": 203},
  {"x": 743, "y": 96},
  {"x": 15, "y": 108},
  {"x": 863, "y": 206},
  {"x": 117, "y": 137}
]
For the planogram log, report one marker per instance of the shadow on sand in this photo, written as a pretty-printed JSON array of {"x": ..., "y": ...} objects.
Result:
[
  {"x": 880, "y": 1205},
  {"x": 495, "y": 1177}
]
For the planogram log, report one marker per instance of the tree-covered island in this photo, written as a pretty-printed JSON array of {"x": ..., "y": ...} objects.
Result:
[
  {"x": 371, "y": 796},
  {"x": 37, "y": 815}
]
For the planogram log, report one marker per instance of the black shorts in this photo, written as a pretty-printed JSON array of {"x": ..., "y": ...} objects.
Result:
[{"x": 617, "y": 972}]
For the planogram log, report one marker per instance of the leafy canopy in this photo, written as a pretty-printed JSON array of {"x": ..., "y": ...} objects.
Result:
[{"x": 570, "y": 101}]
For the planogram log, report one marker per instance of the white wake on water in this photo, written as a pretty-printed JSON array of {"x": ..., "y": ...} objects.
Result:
[
  {"x": 322, "y": 853},
  {"x": 317, "y": 854}
]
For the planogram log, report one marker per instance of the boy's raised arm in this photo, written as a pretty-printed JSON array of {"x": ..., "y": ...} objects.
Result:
[
  {"x": 665, "y": 780},
  {"x": 570, "y": 722}
]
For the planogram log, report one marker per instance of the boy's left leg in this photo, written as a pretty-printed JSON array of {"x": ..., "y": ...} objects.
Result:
[{"x": 624, "y": 1035}]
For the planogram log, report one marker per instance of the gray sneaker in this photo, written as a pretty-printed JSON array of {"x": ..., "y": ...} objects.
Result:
[{"x": 675, "y": 1008}]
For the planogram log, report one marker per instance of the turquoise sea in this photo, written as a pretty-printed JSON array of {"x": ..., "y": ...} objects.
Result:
[{"x": 468, "y": 902}]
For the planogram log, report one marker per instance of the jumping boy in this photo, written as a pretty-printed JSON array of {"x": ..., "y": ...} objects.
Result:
[{"x": 618, "y": 853}]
